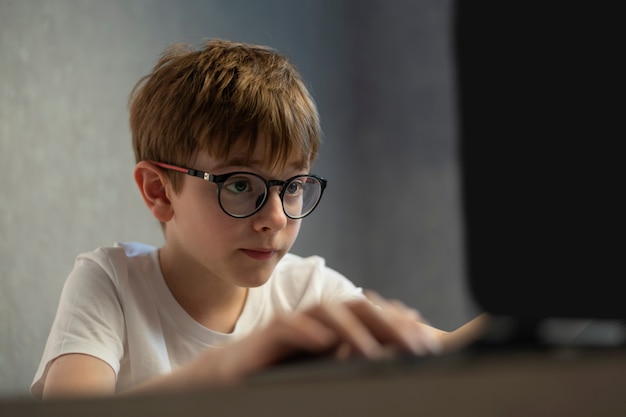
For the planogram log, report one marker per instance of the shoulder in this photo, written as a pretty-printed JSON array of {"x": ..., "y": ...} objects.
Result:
[
  {"x": 112, "y": 265},
  {"x": 119, "y": 256},
  {"x": 300, "y": 269},
  {"x": 120, "y": 250},
  {"x": 292, "y": 261},
  {"x": 309, "y": 279}
]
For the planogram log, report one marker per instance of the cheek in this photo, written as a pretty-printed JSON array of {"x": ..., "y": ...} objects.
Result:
[
  {"x": 293, "y": 228},
  {"x": 198, "y": 211}
]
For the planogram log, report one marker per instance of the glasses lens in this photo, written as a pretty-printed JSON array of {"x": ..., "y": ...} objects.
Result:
[
  {"x": 301, "y": 195},
  {"x": 242, "y": 194}
]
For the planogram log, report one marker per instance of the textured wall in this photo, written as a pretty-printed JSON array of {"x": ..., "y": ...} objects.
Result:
[{"x": 380, "y": 71}]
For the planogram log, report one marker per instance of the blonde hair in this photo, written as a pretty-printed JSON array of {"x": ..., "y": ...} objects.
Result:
[{"x": 220, "y": 96}]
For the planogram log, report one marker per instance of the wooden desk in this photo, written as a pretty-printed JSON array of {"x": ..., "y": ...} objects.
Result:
[{"x": 550, "y": 382}]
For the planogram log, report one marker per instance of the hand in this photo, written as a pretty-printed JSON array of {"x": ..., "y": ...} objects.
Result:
[
  {"x": 445, "y": 342},
  {"x": 411, "y": 317},
  {"x": 357, "y": 327}
]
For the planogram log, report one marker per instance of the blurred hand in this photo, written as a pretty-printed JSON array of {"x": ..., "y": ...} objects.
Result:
[
  {"x": 373, "y": 328},
  {"x": 445, "y": 341}
]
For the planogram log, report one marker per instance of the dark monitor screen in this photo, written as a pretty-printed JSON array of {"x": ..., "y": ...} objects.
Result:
[{"x": 541, "y": 130}]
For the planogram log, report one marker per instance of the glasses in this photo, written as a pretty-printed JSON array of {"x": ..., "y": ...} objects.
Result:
[{"x": 241, "y": 194}]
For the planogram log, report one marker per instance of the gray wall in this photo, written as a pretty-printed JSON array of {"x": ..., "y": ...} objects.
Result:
[{"x": 382, "y": 75}]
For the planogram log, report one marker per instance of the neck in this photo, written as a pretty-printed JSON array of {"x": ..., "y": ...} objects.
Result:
[{"x": 209, "y": 300}]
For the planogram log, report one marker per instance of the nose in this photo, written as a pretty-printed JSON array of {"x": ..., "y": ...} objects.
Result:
[{"x": 271, "y": 216}]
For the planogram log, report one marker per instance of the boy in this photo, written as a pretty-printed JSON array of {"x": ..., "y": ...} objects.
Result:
[{"x": 224, "y": 139}]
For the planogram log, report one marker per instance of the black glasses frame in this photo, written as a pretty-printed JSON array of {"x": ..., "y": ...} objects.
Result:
[{"x": 221, "y": 179}]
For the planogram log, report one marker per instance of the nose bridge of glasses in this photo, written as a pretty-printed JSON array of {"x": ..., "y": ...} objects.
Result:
[
  {"x": 276, "y": 183},
  {"x": 271, "y": 202},
  {"x": 278, "y": 194}
]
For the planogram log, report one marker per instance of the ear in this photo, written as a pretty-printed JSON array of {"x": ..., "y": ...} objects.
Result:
[{"x": 155, "y": 188}]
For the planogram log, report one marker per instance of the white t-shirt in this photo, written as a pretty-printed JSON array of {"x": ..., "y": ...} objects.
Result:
[{"x": 116, "y": 306}]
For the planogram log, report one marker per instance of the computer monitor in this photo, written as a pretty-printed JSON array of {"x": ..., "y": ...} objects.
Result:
[{"x": 541, "y": 124}]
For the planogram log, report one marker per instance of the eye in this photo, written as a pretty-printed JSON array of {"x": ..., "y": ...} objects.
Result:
[
  {"x": 294, "y": 188},
  {"x": 238, "y": 185}
]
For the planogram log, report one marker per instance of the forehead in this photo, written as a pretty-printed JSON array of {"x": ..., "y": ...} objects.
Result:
[{"x": 258, "y": 154}]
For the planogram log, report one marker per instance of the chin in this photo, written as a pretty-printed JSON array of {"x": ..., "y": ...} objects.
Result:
[
  {"x": 254, "y": 284},
  {"x": 254, "y": 280}
]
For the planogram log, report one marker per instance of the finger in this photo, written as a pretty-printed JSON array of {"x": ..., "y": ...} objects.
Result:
[
  {"x": 343, "y": 351},
  {"x": 349, "y": 328},
  {"x": 392, "y": 326},
  {"x": 301, "y": 331},
  {"x": 393, "y": 305},
  {"x": 386, "y": 325},
  {"x": 282, "y": 338},
  {"x": 429, "y": 334}
]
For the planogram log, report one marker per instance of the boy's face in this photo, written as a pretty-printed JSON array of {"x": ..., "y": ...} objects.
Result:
[{"x": 205, "y": 242}]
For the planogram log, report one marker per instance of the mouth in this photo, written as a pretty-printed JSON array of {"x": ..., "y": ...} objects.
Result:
[{"x": 260, "y": 254}]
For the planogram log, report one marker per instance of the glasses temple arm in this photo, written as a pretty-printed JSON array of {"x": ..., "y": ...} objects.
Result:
[{"x": 188, "y": 171}]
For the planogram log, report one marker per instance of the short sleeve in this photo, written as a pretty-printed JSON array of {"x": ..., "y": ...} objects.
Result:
[{"x": 89, "y": 320}]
